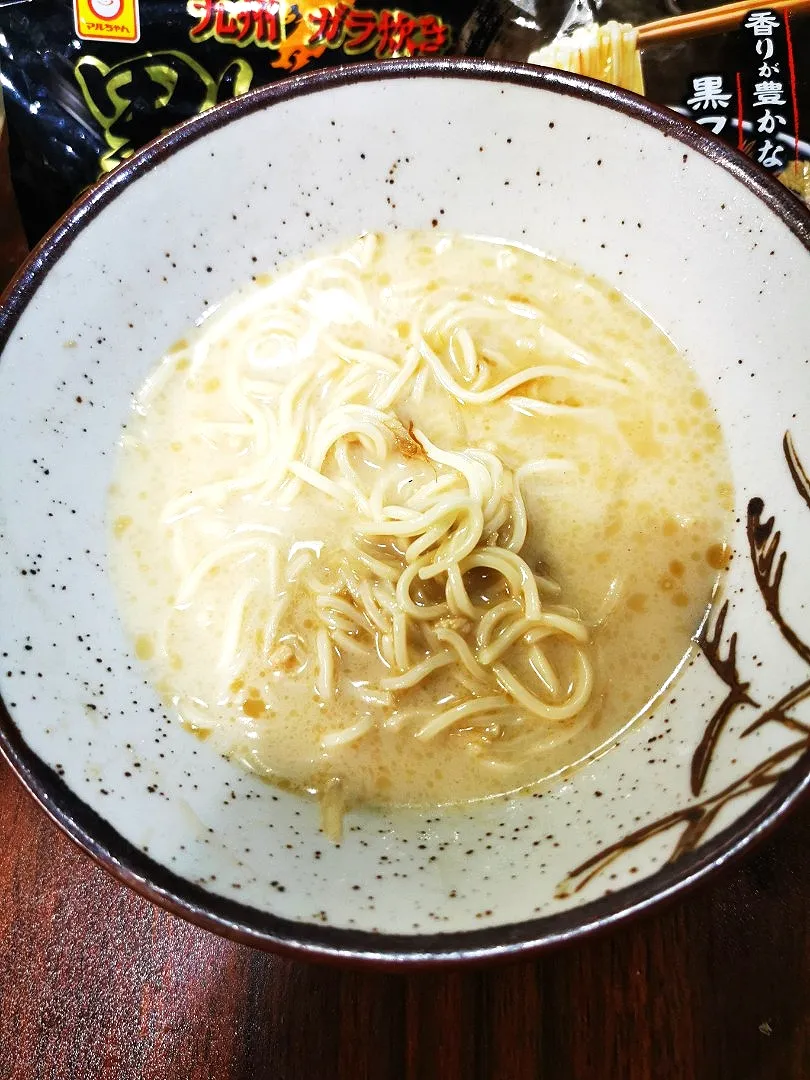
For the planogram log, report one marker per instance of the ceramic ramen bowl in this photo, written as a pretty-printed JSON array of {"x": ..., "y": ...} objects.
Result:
[{"x": 714, "y": 250}]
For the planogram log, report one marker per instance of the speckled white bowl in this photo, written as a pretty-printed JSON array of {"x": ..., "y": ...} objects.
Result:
[{"x": 714, "y": 250}]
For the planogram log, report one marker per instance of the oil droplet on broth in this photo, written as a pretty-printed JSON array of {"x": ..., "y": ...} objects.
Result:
[
  {"x": 144, "y": 647},
  {"x": 254, "y": 707},
  {"x": 718, "y": 556}
]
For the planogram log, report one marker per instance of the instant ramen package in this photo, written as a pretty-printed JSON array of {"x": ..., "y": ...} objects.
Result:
[
  {"x": 88, "y": 82},
  {"x": 744, "y": 76},
  {"x": 12, "y": 241}
]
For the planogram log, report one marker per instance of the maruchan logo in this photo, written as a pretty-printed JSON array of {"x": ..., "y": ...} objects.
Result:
[{"x": 107, "y": 20}]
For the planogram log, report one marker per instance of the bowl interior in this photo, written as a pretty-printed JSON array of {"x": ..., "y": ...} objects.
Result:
[{"x": 531, "y": 157}]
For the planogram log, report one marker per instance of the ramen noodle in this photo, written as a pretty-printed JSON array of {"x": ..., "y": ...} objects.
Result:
[{"x": 609, "y": 53}]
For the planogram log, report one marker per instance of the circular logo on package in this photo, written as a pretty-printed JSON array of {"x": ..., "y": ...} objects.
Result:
[{"x": 106, "y": 9}]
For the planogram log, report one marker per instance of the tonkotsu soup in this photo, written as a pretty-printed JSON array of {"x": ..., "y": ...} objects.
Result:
[{"x": 420, "y": 521}]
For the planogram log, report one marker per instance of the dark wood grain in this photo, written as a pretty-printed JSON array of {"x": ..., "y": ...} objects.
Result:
[{"x": 97, "y": 984}]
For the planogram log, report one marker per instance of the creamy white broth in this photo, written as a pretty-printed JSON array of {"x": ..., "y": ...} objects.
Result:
[{"x": 222, "y": 536}]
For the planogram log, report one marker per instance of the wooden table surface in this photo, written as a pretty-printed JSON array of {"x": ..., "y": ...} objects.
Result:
[{"x": 97, "y": 983}]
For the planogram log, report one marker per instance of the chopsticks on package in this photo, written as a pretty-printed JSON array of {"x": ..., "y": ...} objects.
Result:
[{"x": 711, "y": 21}]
